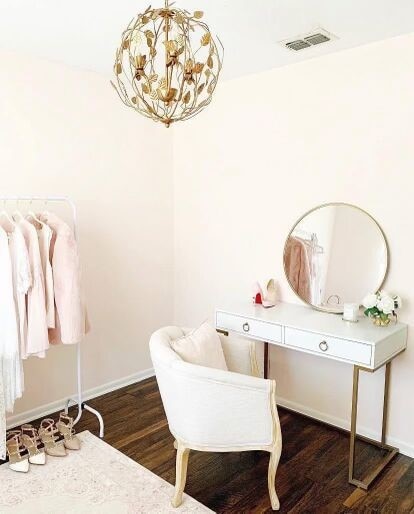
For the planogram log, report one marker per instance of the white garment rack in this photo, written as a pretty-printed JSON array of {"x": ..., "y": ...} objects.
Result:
[
  {"x": 308, "y": 237},
  {"x": 79, "y": 400}
]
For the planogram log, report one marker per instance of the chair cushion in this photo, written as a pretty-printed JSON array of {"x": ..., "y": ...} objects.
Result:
[{"x": 202, "y": 346}]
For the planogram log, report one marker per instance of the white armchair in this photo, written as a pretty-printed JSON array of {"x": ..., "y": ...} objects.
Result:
[{"x": 214, "y": 410}]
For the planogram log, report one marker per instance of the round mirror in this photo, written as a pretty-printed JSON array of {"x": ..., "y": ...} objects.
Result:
[{"x": 335, "y": 254}]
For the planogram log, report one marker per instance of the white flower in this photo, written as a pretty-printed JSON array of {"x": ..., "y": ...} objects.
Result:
[
  {"x": 370, "y": 301},
  {"x": 386, "y": 304}
]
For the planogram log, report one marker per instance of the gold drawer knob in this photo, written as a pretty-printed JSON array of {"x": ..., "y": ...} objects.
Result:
[
  {"x": 246, "y": 327},
  {"x": 323, "y": 345}
]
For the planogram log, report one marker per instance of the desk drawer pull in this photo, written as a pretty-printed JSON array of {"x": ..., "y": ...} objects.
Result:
[
  {"x": 323, "y": 345},
  {"x": 246, "y": 327}
]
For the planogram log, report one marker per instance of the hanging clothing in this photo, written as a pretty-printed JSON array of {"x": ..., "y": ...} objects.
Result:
[
  {"x": 22, "y": 280},
  {"x": 45, "y": 235},
  {"x": 37, "y": 340},
  {"x": 71, "y": 317},
  {"x": 2, "y": 418},
  {"x": 9, "y": 339},
  {"x": 297, "y": 267}
]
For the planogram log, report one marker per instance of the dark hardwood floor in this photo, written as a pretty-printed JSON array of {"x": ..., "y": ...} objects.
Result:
[{"x": 311, "y": 478}]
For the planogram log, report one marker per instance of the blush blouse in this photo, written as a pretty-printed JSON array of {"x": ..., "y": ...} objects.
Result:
[
  {"x": 37, "y": 335},
  {"x": 71, "y": 318}
]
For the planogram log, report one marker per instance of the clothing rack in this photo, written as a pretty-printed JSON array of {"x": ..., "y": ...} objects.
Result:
[
  {"x": 308, "y": 237},
  {"x": 79, "y": 400}
]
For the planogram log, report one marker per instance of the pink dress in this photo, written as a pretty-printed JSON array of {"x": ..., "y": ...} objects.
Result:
[
  {"x": 45, "y": 240},
  {"x": 37, "y": 340},
  {"x": 71, "y": 319}
]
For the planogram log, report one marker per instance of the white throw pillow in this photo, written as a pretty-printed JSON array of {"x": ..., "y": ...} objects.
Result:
[{"x": 202, "y": 346}]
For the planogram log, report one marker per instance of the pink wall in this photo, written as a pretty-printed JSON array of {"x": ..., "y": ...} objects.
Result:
[
  {"x": 65, "y": 132},
  {"x": 270, "y": 147}
]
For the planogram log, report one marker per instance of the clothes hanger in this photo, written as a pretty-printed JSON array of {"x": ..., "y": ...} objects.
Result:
[
  {"x": 17, "y": 214},
  {"x": 31, "y": 214},
  {"x": 45, "y": 212},
  {"x": 5, "y": 214}
]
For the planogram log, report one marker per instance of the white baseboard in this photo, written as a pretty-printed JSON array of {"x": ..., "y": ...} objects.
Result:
[
  {"x": 48, "y": 408},
  {"x": 405, "y": 448}
]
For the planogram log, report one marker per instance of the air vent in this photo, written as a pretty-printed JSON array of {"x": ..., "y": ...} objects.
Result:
[
  {"x": 317, "y": 39},
  {"x": 314, "y": 38},
  {"x": 299, "y": 44}
]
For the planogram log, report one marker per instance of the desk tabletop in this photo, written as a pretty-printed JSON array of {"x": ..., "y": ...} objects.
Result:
[{"x": 305, "y": 318}]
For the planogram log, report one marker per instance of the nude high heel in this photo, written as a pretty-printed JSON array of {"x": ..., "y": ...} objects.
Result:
[
  {"x": 15, "y": 451},
  {"x": 47, "y": 433},
  {"x": 31, "y": 441},
  {"x": 65, "y": 427}
]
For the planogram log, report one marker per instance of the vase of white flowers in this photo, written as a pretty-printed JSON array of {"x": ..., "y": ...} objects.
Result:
[{"x": 381, "y": 306}]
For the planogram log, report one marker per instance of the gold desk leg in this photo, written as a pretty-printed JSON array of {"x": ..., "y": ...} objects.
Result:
[{"x": 391, "y": 451}]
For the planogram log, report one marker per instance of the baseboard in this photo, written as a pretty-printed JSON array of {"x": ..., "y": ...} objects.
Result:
[
  {"x": 405, "y": 448},
  {"x": 47, "y": 409}
]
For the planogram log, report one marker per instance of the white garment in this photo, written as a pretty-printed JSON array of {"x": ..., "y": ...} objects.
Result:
[
  {"x": 37, "y": 336},
  {"x": 9, "y": 340},
  {"x": 45, "y": 238},
  {"x": 2, "y": 419},
  {"x": 22, "y": 280}
]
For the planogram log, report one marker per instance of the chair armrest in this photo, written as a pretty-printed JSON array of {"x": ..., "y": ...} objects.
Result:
[
  {"x": 214, "y": 409},
  {"x": 240, "y": 354}
]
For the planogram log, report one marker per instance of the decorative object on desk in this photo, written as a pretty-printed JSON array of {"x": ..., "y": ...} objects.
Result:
[
  {"x": 380, "y": 306},
  {"x": 168, "y": 64},
  {"x": 351, "y": 311},
  {"x": 265, "y": 293},
  {"x": 334, "y": 254}
]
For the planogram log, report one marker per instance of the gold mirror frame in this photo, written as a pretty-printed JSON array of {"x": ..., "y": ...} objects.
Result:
[{"x": 334, "y": 204}]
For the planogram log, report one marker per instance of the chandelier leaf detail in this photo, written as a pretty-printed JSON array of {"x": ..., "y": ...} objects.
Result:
[{"x": 168, "y": 64}]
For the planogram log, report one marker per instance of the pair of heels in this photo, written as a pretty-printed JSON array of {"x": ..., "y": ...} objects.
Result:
[
  {"x": 24, "y": 448},
  {"x": 54, "y": 445},
  {"x": 265, "y": 293},
  {"x": 30, "y": 446}
]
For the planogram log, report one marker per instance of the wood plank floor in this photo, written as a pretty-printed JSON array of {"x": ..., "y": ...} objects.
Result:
[{"x": 311, "y": 478}]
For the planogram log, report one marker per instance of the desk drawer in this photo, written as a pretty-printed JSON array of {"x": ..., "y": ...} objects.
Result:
[
  {"x": 333, "y": 347},
  {"x": 249, "y": 327}
]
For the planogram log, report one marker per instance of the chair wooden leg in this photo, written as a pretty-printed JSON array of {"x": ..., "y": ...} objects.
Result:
[
  {"x": 180, "y": 474},
  {"x": 271, "y": 476}
]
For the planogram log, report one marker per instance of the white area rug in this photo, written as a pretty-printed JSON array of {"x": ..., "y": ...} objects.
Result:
[{"x": 96, "y": 480}]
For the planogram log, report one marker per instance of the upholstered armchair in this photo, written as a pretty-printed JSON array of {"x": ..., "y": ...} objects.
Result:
[{"x": 214, "y": 410}]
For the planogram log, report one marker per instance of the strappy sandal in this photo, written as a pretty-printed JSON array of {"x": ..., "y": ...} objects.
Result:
[
  {"x": 65, "y": 427},
  {"x": 32, "y": 443},
  {"x": 47, "y": 433},
  {"x": 18, "y": 458}
]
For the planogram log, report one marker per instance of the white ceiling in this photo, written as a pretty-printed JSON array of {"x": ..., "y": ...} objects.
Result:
[{"x": 85, "y": 33}]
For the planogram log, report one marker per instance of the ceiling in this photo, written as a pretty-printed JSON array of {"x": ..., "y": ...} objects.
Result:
[{"x": 85, "y": 33}]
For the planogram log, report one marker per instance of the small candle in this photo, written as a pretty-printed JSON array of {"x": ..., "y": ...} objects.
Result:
[{"x": 351, "y": 311}]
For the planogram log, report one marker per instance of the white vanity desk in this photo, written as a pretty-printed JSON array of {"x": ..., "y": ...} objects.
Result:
[{"x": 363, "y": 345}]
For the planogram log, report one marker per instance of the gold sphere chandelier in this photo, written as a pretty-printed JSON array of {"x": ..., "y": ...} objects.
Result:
[{"x": 168, "y": 64}]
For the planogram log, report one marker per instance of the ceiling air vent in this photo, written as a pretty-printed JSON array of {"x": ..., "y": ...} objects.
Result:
[{"x": 314, "y": 38}]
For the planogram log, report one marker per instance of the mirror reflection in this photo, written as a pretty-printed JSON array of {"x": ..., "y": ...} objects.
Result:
[{"x": 335, "y": 254}]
